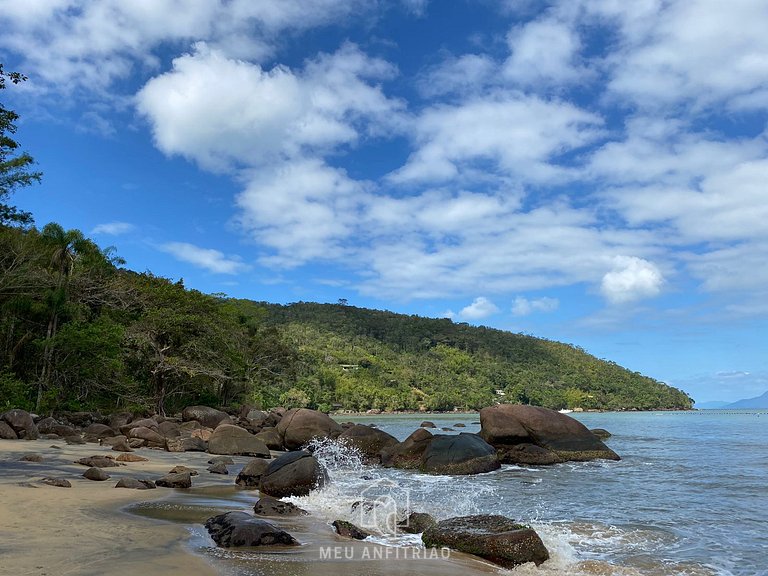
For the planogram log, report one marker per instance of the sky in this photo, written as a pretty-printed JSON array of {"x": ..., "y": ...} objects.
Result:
[{"x": 588, "y": 171}]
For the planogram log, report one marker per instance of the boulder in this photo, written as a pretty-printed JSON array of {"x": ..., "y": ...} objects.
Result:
[
  {"x": 368, "y": 441},
  {"x": 292, "y": 474},
  {"x": 269, "y": 506},
  {"x": 47, "y": 425},
  {"x": 98, "y": 462},
  {"x": 180, "y": 469},
  {"x": 208, "y": 417},
  {"x": 96, "y": 474},
  {"x": 131, "y": 458},
  {"x": 349, "y": 530},
  {"x": 74, "y": 440},
  {"x": 300, "y": 425},
  {"x": 601, "y": 433},
  {"x": 416, "y": 523},
  {"x": 461, "y": 455},
  {"x": 147, "y": 434},
  {"x": 58, "y": 482},
  {"x": 408, "y": 453},
  {"x": 121, "y": 445},
  {"x": 22, "y": 423},
  {"x": 492, "y": 537},
  {"x": 6, "y": 432},
  {"x": 271, "y": 438},
  {"x": 185, "y": 444},
  {"x": 235, "y": 529},
  {"x": 527, "y": 454},
  {"x": 250, "y": 475},
  {"x": 254, "y": 415},
  {"x": 226, "y": 460},
  {"x": 169, "y": 429},
  {"x": 135, "y": 484},
  {"x": 233, "y": 440},
  {"x": 98, "y": 431},
  {"x": 150, "y": 423},
  {"x": 32, "y": 458},
  {"x": 218, "y": 468},
  {"x": 427, "y": 424},
  {"x": 568, "y": 439},
  {"x": 459, "y": 425},
  {"x": 181, "y": 480}
]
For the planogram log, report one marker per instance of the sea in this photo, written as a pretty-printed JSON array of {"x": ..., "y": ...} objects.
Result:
[{"x": 689, "y": 497}]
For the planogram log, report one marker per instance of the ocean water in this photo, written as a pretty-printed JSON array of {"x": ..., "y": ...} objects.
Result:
[{"x": 689, "y": 497}]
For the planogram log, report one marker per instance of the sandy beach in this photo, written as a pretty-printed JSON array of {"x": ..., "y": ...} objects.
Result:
[{"x": 53, "y": 531}]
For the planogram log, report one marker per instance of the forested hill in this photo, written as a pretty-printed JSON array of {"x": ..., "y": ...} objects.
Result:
[{"x": 379, "y": 359}]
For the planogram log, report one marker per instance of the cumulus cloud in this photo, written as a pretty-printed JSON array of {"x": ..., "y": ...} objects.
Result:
[
  {"x": 631, "y": 279},
  {"x": 523, "y": 306},
  {"x": 480, "y": 308},
  {"x": 206, "y": 258},
  {"x": 113, "y": 228}
]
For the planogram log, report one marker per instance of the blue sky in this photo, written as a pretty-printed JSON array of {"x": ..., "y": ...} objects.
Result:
[{"x": 590, "y": 171}]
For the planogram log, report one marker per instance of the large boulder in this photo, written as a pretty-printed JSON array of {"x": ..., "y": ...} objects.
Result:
[
  {"x": 233, "y": 440},
  {"x": 185, "y": 444},
  {"x": 22, "y": 423},
  {"x": 98, "y": 431},
  {"x": 368, "y": 441},
  {"x": 148, "y": 435},
  {"x": 300, "y": 425},
  {"x": 292, "y": 474},
  {"x": 235, "y": 529},
  {"x": 208, "y": 417},
  {"x": 506, "y": 425},
  {"x": 150, "y": 423},
  {"x": 461, "y": 454},
  {"x": 6, "y": 432},
  {"x": 250, "y": 475},
  {"x": 408, "y": 453},
  {"x": 271, "y": 438},
  {"x": 494, "y": 538}
]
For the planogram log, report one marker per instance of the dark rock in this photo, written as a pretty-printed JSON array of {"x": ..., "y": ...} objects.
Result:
[
  {"x": 208, "y": 417},
  {"x": 368, "y": 441},
  {"x": 131, "y": 458},
  {"x": 47, "y": 425},
  {"x": 507, "y": 425},
  {"x": 292, "y": 474},
  {"x": 135, "y": 484},
  {"x": 235, "y": 529},
  {"x": 147, "y": 434},
  {"x": 121, "y": 445},
  {"x": 250, "y": 475},
  {"x": 494, "y": 538},
  {"x": 74, "y": 440},
  {"x": 97, "y": 431},
  {"x": 601, "y": 433},
  {"x": 182, "y": 469},
  {"x": 254, "y": 415},
  {"x": 408, "y": 453},
  {"x": 32, "y": 458},
  {"x": 82, "y": 419},
  {"x": 459, "y": 425},
  {"x": 6, "y": 432},
  {"x": 427, "y": 424},
  {"x": 219, "y": 468},
  {"x": 98, "y": 462},
  {"x": 169, "y": 429},
  {"x": 447, "y": 429},
  {"x": 349, "y": 530},
  {"x": 150, "y": 423},
  {"x": 182, "y": 480},
  {"x": 58, "y": 482},
  {"x": 271, "y": 438},
  {"x": 136, "y": 443},
  {"x": 268, "y": 506},
  {"x": 96, "y": 474},
  {"x": 462, "y": 454},
  {"x": 226, "y": 460},
  {"x": 22, "y": 423},
  {"x": 300, "y": 425},
  {"x": 527, "y": 454},
  {"x": 416, "y": 523},
  {"x": 233, "y": 440}
]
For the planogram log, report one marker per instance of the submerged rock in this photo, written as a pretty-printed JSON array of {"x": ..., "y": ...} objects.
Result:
[
  {"x": 269, "y": 506},
  {"x": 416, "y": 523},
  {"x": 98, "y": 462},
  {"x": 135, "y": 484},
  {"x": 235, "y": 529},
  {"x": 494, "y": 538},
  {"x": 58, "y": 482}
]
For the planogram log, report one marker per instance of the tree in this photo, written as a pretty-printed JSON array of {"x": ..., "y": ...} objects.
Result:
[{"x": 15, "y": 166}]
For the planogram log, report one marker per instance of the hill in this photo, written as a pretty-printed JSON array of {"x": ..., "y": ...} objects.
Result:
[
  {"x": 78, "y": 332},
  {"x": 757, "y": 402}
]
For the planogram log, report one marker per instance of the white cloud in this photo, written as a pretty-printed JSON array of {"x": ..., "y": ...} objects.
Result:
[
  {"x": 523, "y": 306},
  {"x": 631, "y": 279},
  {"x": 520, "y": 135},
  {"x": 544, "y": 51},
  {"x": 113, "y": 228},
  {"x": 469, "y": 73},
  {"x": 480, "y": 308},
  {"x": 206, "y": 258}
]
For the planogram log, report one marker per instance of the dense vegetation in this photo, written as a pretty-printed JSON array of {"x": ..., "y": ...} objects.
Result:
[{"x": 79, "y": 332}]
